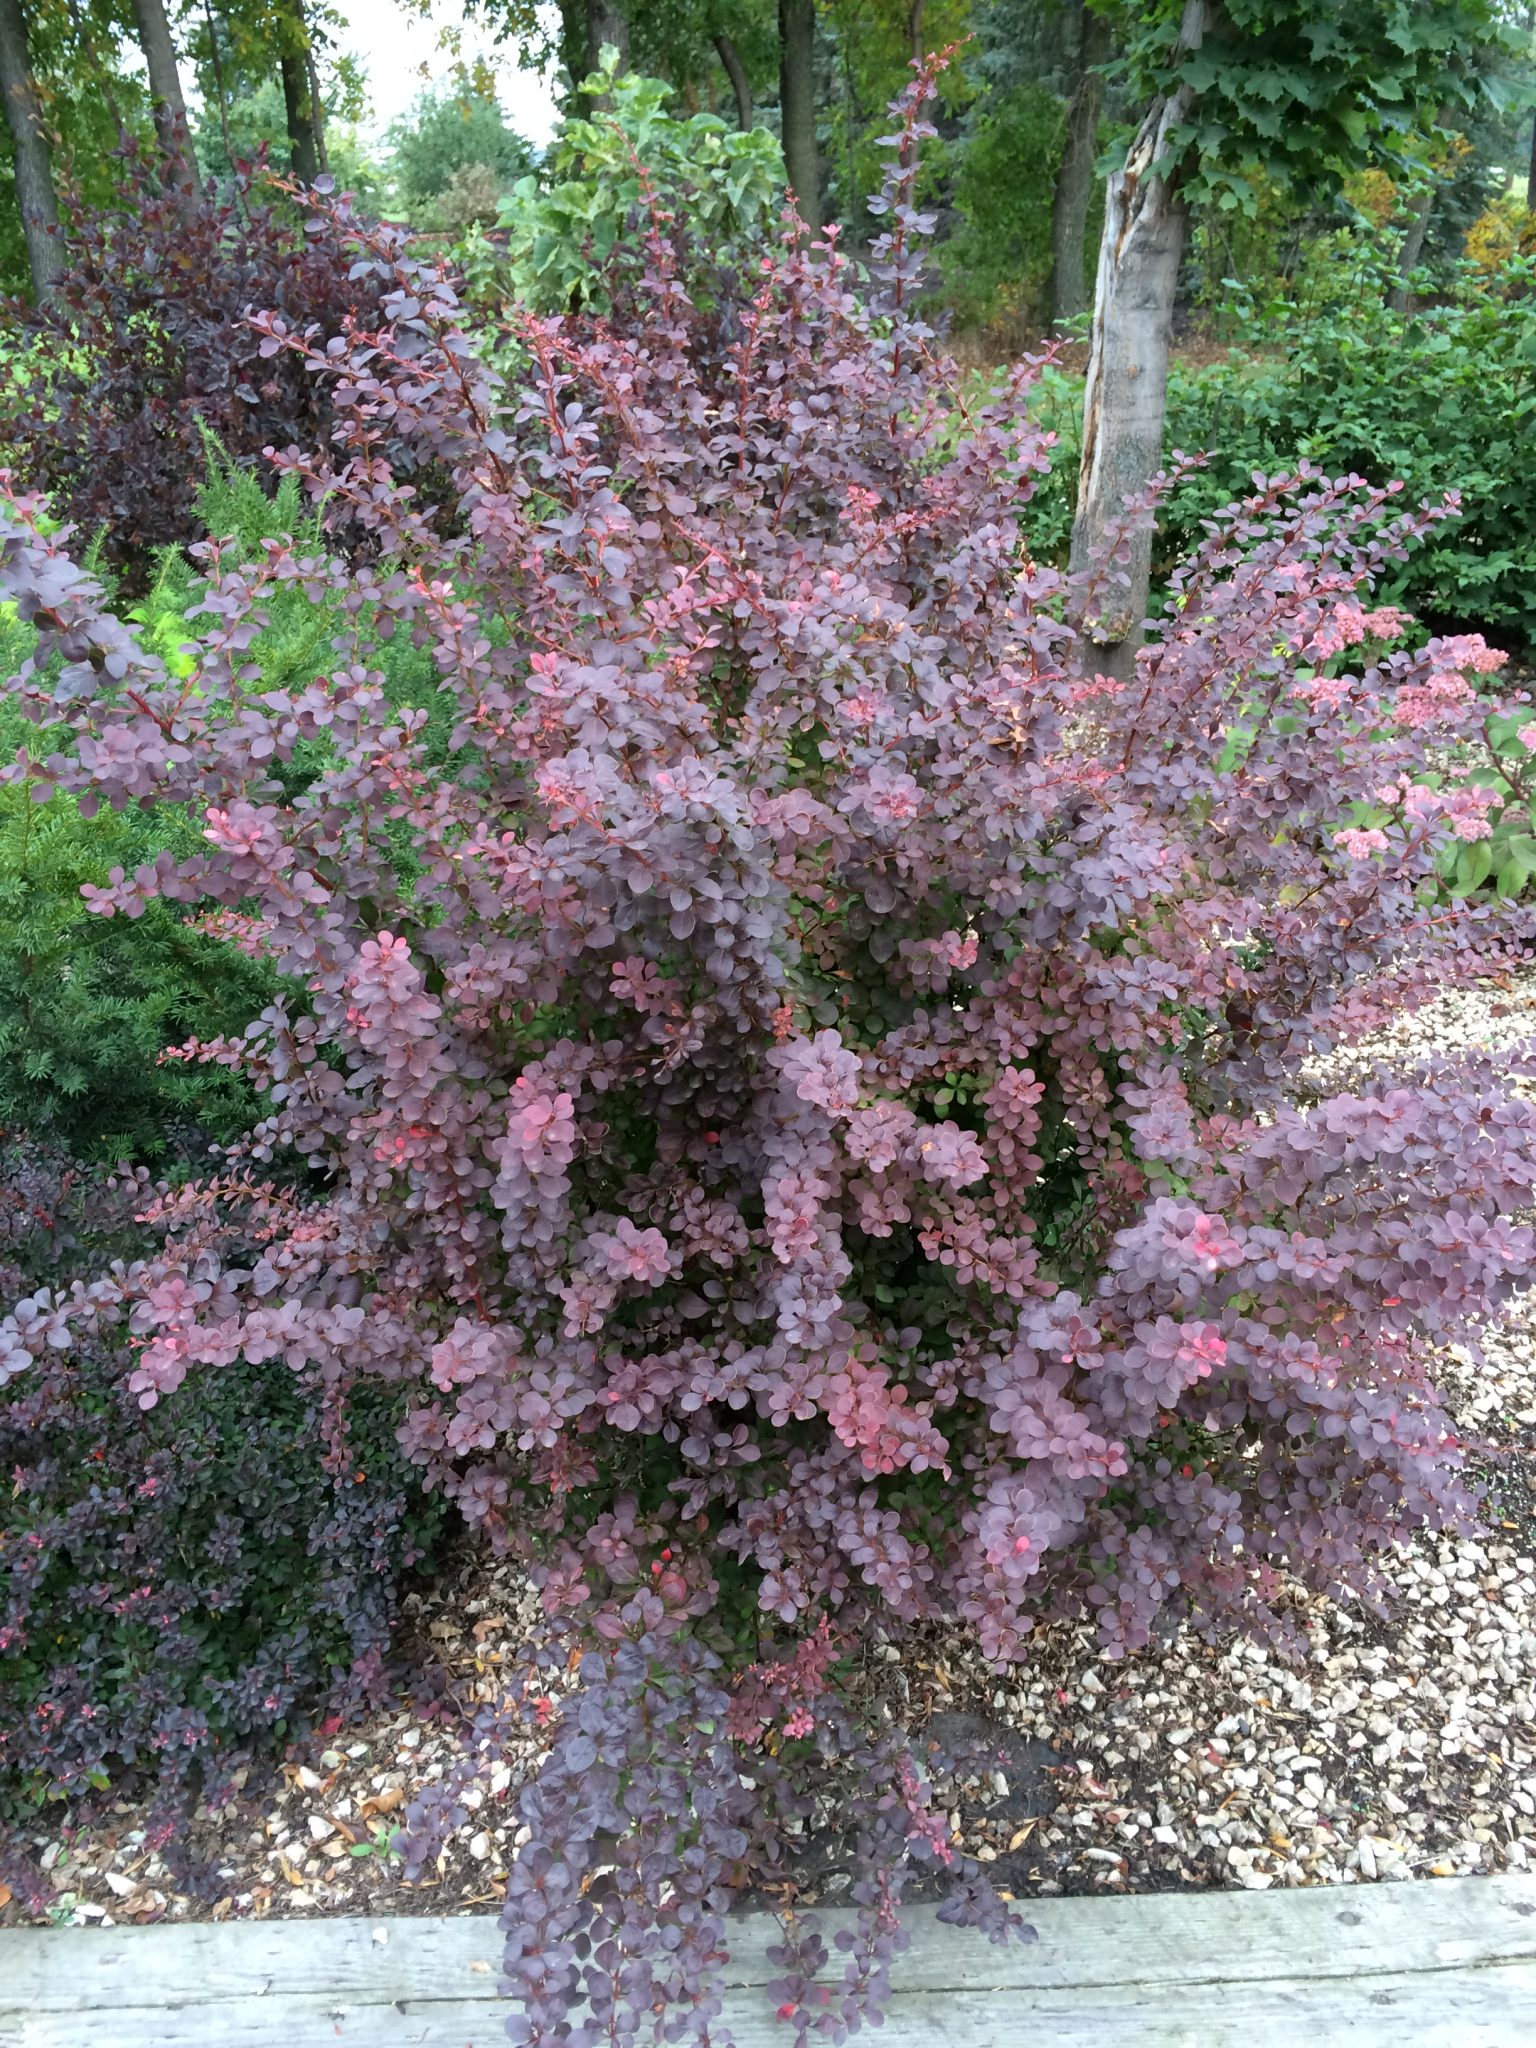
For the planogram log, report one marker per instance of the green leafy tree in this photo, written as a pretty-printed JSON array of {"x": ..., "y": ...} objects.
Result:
[
  {"x": 271, "y": 75},
  {"x": 448, "y": 132},
  {"x": 997, "y": 261},
  {"x": 605, "y": 168},
  {"x": 257, "y": 122},
  {"x": 69, "y": 101},
  {"x": 868, "y": 48}
]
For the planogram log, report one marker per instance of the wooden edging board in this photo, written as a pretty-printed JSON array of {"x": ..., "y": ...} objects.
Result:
[{"x": 1448, "y": 1963}]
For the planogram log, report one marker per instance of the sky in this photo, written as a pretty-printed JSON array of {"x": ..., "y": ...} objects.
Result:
[{"x": 401, "y": 53}]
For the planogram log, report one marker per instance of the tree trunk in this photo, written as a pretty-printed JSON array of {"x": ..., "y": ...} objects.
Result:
[
  {"x": 316, "y": 110},
  {"x": 301, "y": 97},
  {"x": 730, "y": 57},
  {"x": 303, "y": 152},
  {"x": 165, "y": 94},
  {"x": 606, "y": 23},
  {"x": 1126, "y": 392},
  {"x": 1400, "y": 298},
  {"x": 1530, "y": 176},
  {"x": 797, "y": 106},
  {"x": 915, "y": 30},
  {"x": 1074, "y": 180},
  {"x": 29, "y": 142}
]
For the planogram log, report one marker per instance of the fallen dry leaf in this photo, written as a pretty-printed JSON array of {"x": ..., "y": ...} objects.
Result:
[
  {"x": 1021, "y": 1835},
  {"x": 381, "y": 1802},
  {"x": 6, "y": 1895}
]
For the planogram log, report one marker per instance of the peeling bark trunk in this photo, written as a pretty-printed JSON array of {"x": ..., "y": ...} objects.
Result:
[
  {"x": 1074, "y": 180},
  {"x": 797, "y": 106},
  {"x": 170, "y": 108},
  {"x": 730, "y": 57},
  {"x": 35, "y": 196},
  {"x": 1126, "y": 391}
]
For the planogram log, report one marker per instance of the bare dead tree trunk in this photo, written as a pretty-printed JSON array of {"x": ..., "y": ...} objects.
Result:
[
  {"x": 1530, "y": 176},
  {"x": 170, "y": 108},
  {"x": 1074, "y": 180},
  {"x": 797, "y": 106},
  {"x": 35, "y": 196},
  {"x": 735, "y": 71},
  {"x": 1126, "y": 392},
  {"x": 915, "y": 30}
]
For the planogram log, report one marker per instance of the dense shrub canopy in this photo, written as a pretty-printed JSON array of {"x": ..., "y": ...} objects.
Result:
[
  {"x": 145, "y": 348},
  {"x": 813, "y": 998},
  {"x": 181, "y": 1580},
  {"x": 804, "y": 1090},
  {"x": 575, "y": 229}
]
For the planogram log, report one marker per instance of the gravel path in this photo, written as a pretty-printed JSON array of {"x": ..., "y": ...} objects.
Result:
[{"x": 1396, "y": 1750}]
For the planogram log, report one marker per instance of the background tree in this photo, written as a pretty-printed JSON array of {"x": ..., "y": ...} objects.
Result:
[
  {"x": 301, "y": 94},
  {"x": 1298, "y": 88},
  {"x": 718, "y": 55},
  {"x": 797, "y": 106},
  {"x": 30, "y": 158},
  {"x": 165, "y": 94},
  {"x": 245, "y": 105},
  {"x": 448, "y": 134},
  {"x": 730, "y": 58},
  {"x": 1089, "y": 36},
  {"x": 607, "y": 26}
]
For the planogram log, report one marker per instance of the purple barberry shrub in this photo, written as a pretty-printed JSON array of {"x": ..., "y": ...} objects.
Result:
[{"x": 808, "y": 1088}]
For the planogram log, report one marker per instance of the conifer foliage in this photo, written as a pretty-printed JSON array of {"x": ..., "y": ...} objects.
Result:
[{"x": 810, "y": 1091}]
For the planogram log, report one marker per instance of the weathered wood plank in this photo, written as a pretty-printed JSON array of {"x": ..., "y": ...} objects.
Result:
[
  {"x": 1487, "y": 2008},
  {"x": 1178, "y": 1939}
]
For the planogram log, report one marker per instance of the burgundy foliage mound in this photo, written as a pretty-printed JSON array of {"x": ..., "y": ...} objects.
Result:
[
  {"x": 146, "y": 343},
  {"x": 808, "y": 1094},
  {"x": 176, "y": 1583}
]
